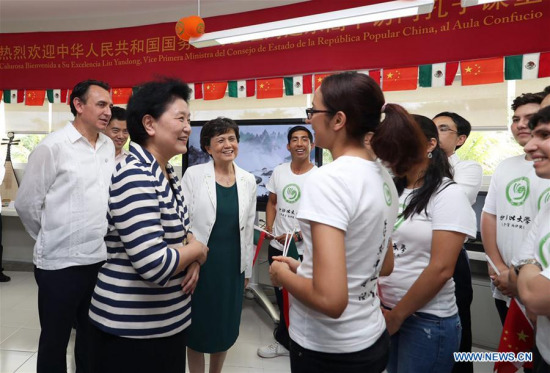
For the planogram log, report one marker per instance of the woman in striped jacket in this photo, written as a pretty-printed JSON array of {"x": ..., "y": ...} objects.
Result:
[{"x": 141, "y": 304}]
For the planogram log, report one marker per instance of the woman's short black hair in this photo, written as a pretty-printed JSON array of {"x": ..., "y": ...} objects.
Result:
[
  {"x": 216, "y": 127},
  {"x": 152, "y": 98}
]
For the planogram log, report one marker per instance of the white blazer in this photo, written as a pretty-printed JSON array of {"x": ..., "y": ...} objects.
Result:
[{"x": 199, "y": 192}]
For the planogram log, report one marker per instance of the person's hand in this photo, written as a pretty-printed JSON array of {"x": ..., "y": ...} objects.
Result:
[
  {"x": 393, "y": 321},
  {"x": 191, "y": 279},
  {"x": 200, "y": 250},
  {"x": 246, "y": 282},
  {"x": 501, "y": 282},
  {"x": 276, "y": 269},
  {"x": 292, "y": 263},
  {"x": 281, "y": 238},
  {"x": 513, "y": 281}
]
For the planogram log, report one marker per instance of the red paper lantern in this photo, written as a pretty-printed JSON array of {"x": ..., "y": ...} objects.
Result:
[
  {"x": 180, "y": 29},
  {"x": 193, "y": 26}
]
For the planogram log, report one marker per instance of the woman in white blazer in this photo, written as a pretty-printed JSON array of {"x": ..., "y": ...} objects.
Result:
[{"x": 221, "y": 199}]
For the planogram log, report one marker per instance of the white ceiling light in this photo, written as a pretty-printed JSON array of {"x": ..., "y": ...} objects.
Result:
[
  {"x": 466, "y": 3},
  {"x": 339, "y": 18}
]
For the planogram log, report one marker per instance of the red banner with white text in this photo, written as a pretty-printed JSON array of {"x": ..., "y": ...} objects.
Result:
[{"x": 128, "y": 56}]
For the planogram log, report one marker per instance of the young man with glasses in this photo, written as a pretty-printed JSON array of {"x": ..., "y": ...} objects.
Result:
[{"x": 453, "y": 133}]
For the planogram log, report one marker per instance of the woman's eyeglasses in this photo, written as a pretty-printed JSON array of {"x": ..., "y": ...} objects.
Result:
[{"x": 311, "y": 111}]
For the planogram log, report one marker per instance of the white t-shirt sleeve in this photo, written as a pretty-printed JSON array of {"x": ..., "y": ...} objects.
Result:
[
  {"x": 272, "y": 183},
  {"x": 468, "y": 175},
  {"x": 325, "y": 200},
  {"x": 490, "y": 205},
  {"x": 451, "y": 211}
]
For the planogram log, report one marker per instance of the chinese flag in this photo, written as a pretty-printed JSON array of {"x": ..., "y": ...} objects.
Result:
[
  {"x": 517, "y": 336},
  {"x": 214, "y": 90},
  {"x": 402, "y": 79},
  {"x": 121, "y": 95},
  {"x": 319, "y": 79},
  {"x": 270, "y": 88},
  {"x": 486, "y": 71},
  {"x": 35, "y": 97},
  {"x": 69, "y": 93}
]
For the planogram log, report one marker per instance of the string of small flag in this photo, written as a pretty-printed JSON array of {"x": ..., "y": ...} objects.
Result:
[{"x": 473, "y": 72}]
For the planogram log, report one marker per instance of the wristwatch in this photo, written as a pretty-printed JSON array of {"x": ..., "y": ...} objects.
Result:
[{"x": 523, "y": 262}]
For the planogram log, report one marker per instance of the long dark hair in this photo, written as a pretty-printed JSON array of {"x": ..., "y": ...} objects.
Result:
[{"x": 438, "y": 169}]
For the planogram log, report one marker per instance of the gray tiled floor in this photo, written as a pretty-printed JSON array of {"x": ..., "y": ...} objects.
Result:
[{"x": 19, "y": 331}]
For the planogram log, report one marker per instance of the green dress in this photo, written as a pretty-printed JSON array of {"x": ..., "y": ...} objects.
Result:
[{"x": 217, "y": 301}]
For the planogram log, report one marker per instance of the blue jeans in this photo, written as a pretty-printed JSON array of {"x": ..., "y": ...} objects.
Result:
[{"x": 425, "y": 343}]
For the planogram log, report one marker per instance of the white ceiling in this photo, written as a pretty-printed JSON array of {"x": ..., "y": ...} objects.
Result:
[{"x": 77, "y": 15}]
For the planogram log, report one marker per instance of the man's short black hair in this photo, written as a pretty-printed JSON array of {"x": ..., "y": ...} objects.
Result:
[
  {"x": 526, "y": 98},
  {"x": 118, "y": 113},
  {"x": 80, "y": 90},
  {"x": 463, "y": 127},
  {"x": 541, "y": 116},
  {"x": 299, "y": 128}
]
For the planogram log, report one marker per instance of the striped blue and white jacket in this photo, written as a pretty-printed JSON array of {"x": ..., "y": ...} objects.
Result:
[{"x": 137, "y": 294}]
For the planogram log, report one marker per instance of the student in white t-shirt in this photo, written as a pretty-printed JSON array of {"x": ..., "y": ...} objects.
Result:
[
  {"x": 532, "y": 262},
  {"x": 515, "y": 196},
  {"x": 285, "y": 191},
  {"x": 347, "y": 211},
  {"x": 420, "y": 306}
]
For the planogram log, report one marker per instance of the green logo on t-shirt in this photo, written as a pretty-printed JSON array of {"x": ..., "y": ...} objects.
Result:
[
  {"x": 544, "y": 198},
  {"x": 291, "y": 193},
  {"x": 400, "y": 218},
  {"x": 387, "y": 194},
  {"x": 544, "y": 248},
  {"x": 517, "y": 191}
]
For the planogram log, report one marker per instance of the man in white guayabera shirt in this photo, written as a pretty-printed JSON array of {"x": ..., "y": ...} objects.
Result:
[{"x": 62, "y": 202}]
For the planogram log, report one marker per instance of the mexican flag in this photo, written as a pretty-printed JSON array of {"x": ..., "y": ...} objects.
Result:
[
  {"x": 56, "y": 96},
  {"x": 523, "y": 66},
  {"x": 544, "y": 65},
  {"x": 298, "y": 85},
  {"x": 35, "y": 97},
  {"x": 214, "y": 90},
  {"x": 486, "y": 71},
  {"x": 375, "y": 74},
  {"x": 121, "y": 95},
  {"x": 402, "y": 79},
  {"x": 14, "y": 96},
  {"x": 437, "y": 74},
  {"x": 269, "y": 88},
  {"x": 196, "y": 91},
  {"x": 241, "y": 88}
]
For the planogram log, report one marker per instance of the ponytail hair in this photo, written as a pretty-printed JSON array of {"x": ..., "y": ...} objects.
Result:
[
  {"x": 438, "y": 168},
  {"x": 399, "y": 141}
]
